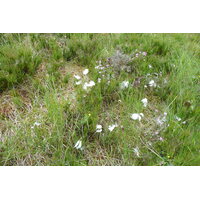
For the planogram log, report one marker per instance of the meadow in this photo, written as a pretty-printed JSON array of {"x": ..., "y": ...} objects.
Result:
[{"x": 100, "y": 99}]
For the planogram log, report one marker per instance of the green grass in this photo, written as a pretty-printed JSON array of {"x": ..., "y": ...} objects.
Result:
[{"x": 43, "y": 113}]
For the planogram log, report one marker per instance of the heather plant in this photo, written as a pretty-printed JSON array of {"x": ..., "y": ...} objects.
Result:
[{"x": 16, "y": 62}]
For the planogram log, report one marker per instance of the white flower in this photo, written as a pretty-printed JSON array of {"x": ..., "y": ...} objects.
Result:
[
  {"x": 161, "y": 139},
  {"x": 77, "y": 77},
  {"x": 35, "y": 124},
  {"x": 78, "y": 82},
  {"x": 144, "y": 53},
  {"x": 85, "y": 86},
  {"x": 112, "y": 127},
  {"x": 152, "y": 83},
  {"x": 124, "y": 84},
  {"x": 78, "y": 145},
  {"x": 98, "y": 128},
  {"x": 144, "y": 101},
  {"x": 101, "y": 68},
  {"x": 136, "y": 151},
  {"x": 156, "y": 133},
  {"x": 137, "y": 116},
  {"x": 141, "y": 114},
  {"x": 178, "y": 118},
  {"x": 90, "y": 84},
  {"x": 85, "y": 72},
  {"x": 184, "y": 122},
  {"x": 99, "y": 80},
  {"x": 150, "y": 66}
]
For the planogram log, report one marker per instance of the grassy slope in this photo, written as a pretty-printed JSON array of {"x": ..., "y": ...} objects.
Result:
[{"x": 40, "y": 87}]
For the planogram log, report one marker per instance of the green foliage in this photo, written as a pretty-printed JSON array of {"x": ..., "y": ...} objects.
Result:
[
  {"x": 16, "y": 62},
  {"x": 42, "y": 128}
]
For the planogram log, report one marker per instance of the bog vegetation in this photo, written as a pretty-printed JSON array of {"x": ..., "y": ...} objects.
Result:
[{"x": 99, "y": 99}]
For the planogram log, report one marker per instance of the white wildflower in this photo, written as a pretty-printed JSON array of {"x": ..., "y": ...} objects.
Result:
[
  {"x": 101, "y": 68},
  {"x": 90, "y": 84},
  {"x": 98, "y": 128},
  {"x": 136, "y": 151},
  {"x": 156, "y": 133},
  {"x": 99, "y": 80},
  {"x": 178, "y": 118},
  {"x": 144, "y": 53},
  {"x": 77, "y": 77},
  {"x": 150, "y": 66},
  {"x": 112, "y": 127},
  {"x": 141, "y": 114},
  {"x": 184, "y": 122},
  {"x": 35, "y": 124},
  {"x": 85, "y": 86},
  {"x": 152, "y": 83},
  {"x": 144, "y": 101},
  {"x": 85, "y": 72},
  {"x": 137, "y": 116},
  {"x": 161, "y": 139},
  {"x": 124, "y": 84},
  {"x": 78, "y": 145},
  {"x": 78, "y": 82}
]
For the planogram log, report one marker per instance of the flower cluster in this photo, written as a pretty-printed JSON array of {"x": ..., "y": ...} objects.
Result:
[
  {"x": 89, "y": 84},
  {"x": 86, "y": 85},
  {"x": 99, "y": 127}
]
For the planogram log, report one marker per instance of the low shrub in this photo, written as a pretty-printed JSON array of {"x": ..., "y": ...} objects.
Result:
[{"x": 15, "y": 63}]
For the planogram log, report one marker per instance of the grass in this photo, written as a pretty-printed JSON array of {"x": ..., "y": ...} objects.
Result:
[{"x": 43, "y": 112}]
